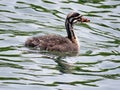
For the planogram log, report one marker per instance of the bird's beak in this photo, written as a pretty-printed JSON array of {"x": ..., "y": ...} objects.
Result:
[{"x": 82, "y": 19}]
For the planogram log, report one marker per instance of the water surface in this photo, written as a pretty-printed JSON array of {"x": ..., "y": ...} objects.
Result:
[{"x": 97, "y": 67}]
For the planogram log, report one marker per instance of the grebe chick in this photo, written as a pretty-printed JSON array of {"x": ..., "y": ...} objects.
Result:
[{"x": 57, "y": 42}]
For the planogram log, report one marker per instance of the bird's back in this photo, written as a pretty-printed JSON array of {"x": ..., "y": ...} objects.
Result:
[{"x": 52, "y": 43}]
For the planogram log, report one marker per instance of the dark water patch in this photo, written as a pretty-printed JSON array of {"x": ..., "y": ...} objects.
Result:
[
  {"x": 10, "y": 55},
  {"x": 50, "y": 85},
  {"x": 18, "y": 83},
  {"x": 50, "y": 2},
  {"x": 2, "y": 5},
  {"x": 89, "y": 63},
  {"x": 93, "y": 15},
  {"x": 103, "y": 11},
  {"x": 87, "y": 82},
  {"x": 83, "y": 1},
  {"x": 114, "y": 16},
  {"x": 116, "y": 41},
  {"x": 103, "y": 76},
  {"x": 17, "y": 32},
  {"x": 8, "y": 22},
  {"x": 6, "y": 11},
  {"x": 102, "y": 54},
  {"x": 7, "y": 48},
  {"x": 96, "y": 71},
  {"x": 12, "y": 65},
  {"x": 111, "y": 76},
  {"x": 9, "y": 78},
  {"x": 116, "y": 61},
  {"x": 23, "y": 20},
  {"x": 11, "y": 60},
  {"x": 29, "y": 74},
  {"x": 108, "y": 6}
]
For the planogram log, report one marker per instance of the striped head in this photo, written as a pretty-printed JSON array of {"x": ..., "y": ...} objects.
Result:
[{"x": 76, "y": 17}]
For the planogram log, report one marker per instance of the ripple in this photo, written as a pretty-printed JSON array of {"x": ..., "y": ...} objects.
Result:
[{"x": 97, "y": 65}]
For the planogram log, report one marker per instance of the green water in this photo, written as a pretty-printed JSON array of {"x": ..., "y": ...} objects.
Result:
[{"x": 97, "y": 67}]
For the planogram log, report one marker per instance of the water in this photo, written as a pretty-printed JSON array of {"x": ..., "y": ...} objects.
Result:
[{"x": 96, "y": 68}]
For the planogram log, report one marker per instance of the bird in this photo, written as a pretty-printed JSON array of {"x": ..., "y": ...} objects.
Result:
[{"x": 59, "y": 43}]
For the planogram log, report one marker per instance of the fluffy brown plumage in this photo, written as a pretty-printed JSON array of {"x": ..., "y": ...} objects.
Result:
[{"x": 52, "y": 43}]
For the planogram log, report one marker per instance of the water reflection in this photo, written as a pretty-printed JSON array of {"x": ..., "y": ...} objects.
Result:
[{"x": 97, "y": 66}]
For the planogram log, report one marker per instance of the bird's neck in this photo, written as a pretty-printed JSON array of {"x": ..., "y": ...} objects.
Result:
[{"x": 70, "y": 32}]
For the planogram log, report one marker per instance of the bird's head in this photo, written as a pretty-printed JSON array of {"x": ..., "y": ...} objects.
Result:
[{"x": 75, "y": 17}]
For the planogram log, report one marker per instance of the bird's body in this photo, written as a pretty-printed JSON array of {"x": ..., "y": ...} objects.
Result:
[
  {"x": 53, "y": 43},
  {"x": 57, "y": 42}
]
